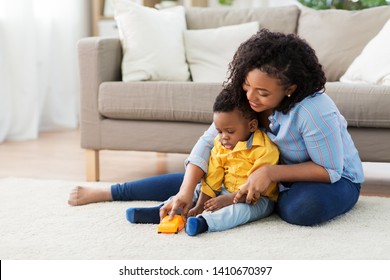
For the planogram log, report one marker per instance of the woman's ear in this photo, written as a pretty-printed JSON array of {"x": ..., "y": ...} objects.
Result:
[
  {"x": 253, "y": 125},
  {"x": 291, "y": 89}
]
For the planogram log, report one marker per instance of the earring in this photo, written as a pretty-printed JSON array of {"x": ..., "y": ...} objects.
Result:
[{"x": 289, "y": 95}]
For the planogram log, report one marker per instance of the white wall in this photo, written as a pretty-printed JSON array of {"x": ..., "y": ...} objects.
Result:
[{"x": 39, "y": 83}]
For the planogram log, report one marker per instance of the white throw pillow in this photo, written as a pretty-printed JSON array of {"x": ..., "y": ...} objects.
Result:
[
  {"x": 152, "y": 42},
  {"x": 373, "y": 64},
  {"x": 209, "y": 51}
]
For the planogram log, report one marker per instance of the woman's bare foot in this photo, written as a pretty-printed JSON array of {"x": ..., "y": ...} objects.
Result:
[{"x": 85, "y": 195}]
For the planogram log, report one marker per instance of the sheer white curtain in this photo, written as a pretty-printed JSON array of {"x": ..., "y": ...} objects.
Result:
[{"x": 39, "y": 86}]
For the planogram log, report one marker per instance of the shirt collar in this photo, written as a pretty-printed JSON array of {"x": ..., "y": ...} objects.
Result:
[
  {"x": 249, "y": 142},
  {"x": 254, "y": 140}
]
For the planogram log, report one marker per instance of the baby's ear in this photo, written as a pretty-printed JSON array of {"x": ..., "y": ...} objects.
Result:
[{"x": 253, "y": 125}]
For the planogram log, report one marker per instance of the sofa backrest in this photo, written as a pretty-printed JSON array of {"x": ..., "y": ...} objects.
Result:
[
  {"x": 282, "y": 19},
  {"x": 339, "y": 36}
]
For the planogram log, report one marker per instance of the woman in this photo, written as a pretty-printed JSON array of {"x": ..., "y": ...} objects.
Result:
[{"x": 320, "y": 172}]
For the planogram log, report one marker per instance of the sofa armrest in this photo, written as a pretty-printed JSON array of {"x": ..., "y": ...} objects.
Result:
[{"x": 99, "y": 61}]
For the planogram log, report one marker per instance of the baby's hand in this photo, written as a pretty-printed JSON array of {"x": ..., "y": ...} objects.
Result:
[
  {"x": 218, "y": 202},
  {"x": 195, "y": 211}
]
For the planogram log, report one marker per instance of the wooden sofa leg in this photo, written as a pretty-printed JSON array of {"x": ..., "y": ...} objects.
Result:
[
  {"x": 92, "y": 170},
  {"x": 162, "y": 163}
]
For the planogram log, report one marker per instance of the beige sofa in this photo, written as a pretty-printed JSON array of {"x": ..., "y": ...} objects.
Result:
[{"x": 169, "y": 117}]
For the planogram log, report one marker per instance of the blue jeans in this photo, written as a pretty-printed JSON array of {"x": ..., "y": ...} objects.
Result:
[
  {"x": 311, "y": 203},
  {"x": 302, "y": 203},
  {"x": 237, "y": 214},
  {"x": 157, "y": 188}
]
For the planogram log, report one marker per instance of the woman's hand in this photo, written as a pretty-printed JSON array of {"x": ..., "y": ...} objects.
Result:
[
  {"x": 257, "y": 184},
  {"x": 183, "y": 201}
]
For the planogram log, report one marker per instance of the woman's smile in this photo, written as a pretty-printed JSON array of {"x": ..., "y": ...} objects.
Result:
[{"x": 254, "y": 105}]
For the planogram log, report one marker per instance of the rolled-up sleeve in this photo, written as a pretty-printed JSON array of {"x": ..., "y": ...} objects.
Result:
[
  {"x": 200, "y": 153},
  {"x": 324, "y": 142}
]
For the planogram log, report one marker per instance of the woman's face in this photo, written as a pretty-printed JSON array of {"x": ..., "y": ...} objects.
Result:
[{"x": 263, "y": 91}]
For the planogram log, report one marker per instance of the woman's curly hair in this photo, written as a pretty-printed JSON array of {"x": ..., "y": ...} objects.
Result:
[{"x": 282, "y": 56}]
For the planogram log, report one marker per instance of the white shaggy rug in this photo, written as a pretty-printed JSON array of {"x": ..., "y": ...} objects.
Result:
[{"x": 36, "y": 223}]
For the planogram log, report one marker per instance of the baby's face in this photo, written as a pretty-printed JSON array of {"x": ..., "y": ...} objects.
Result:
[{"x": 232, "y": 128}]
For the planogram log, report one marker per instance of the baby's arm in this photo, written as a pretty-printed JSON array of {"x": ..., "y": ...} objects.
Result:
[
  {"x": 199, "y": 207},
  {"x": 196, "y": 167}
]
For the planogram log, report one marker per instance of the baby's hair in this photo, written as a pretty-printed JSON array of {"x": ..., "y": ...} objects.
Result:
[
  {"x": 282, "y": 56},
  {"x": 227, "y": 101}
]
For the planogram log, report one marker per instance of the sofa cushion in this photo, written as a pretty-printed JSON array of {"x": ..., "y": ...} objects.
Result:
[
  {"x": 339, "y": 36},
  {"x": 282, "y": 19},
  {"x": 209, "y": 51},
  {"x": 152, "y": 42},
  {"x": 362, "y": 105},
  {"x": 158, "y": 101},
  {"x": 373, "y": 64}
]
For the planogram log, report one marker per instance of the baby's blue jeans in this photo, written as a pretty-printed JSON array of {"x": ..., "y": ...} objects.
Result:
[{"x": 237, "y": 214}]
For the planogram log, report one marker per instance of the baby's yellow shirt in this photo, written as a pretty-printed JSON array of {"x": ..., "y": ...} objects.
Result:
[{"x": 232, "y": 167}]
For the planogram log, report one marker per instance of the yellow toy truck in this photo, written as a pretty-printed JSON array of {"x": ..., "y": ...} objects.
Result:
[{"x": 171, "y": 226}]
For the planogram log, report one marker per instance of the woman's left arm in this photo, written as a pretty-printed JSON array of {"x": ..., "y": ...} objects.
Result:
[
  {"x": 259, "y": 181},
  {"x": 300, "y": 172},
  {"x": 321, "y": 133}
]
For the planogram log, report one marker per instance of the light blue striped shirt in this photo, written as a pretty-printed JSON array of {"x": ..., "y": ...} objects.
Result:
[{"x": 313, "y": 130}]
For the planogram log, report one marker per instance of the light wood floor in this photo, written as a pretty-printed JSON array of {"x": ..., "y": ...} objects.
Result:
[{"x": 58, "y": 156}]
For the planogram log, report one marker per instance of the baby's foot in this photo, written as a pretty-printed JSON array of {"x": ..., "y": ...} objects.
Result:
[
  {"x": 85, "y": 195},
  {"x": 196, "y": 225}
]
